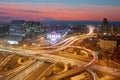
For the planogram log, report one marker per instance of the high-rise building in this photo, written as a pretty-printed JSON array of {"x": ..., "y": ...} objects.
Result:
[
  {"x": 105, "y": 29},
  {"x": 17, "y": 28},
  {"x": 20, "y": 30},
  {"x": 108, "y": 44},
  {"x": 32, "y": 29},
  {"x": 16, "y": 32}
]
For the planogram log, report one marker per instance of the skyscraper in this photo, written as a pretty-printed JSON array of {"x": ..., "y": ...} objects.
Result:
[
  {"x": 105, "y": 29},
  {"x": 16, "y": 28},
  {"x": 21, "y": 30}
]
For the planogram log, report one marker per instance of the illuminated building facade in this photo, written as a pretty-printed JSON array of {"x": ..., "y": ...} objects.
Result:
[
  {"x": 108, "y": 44},
  {"x": 57, "y": 35},
  {"x": 53, "y": 36},
  {"x": 105, "y": 29},
  {"x": 17, "y": 28},
  {"x": 20, "y": 30}
]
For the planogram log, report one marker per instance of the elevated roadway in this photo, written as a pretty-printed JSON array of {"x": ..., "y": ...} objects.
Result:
[
  {"x": 8, "y": 74},
  {"x": 40, "y": 72},
  {"x": 76, "y": 70},
  {"x": 47, "y": 55},
  {"x": 27, "y": 71}
]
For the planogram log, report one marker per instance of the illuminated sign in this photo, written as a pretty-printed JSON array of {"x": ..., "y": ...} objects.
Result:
[
  {"x": 53, "y": 36},
  {"x": 12, "y": 42}
]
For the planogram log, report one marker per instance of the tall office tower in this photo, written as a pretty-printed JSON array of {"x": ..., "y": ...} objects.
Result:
[
  {"x": 16, "y": 32},
  {"x": 21, "y": 30},
  {"x": 16, "y": 28},
  {"x": 105, "y": 21},
  {"x": 105, "y": 29}
]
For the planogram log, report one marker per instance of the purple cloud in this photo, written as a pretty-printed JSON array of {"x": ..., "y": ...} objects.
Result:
[
  {"x": 1, "y": 12},
  {"x": 8, "y": 17},
  {"x": 30, "y": 11}
]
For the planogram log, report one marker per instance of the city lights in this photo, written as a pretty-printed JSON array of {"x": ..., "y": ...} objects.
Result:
[
  {"x": 91, "y": 29},
  {"x": 60, "y": 40}
]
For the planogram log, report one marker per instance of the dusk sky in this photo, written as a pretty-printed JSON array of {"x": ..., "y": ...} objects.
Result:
[{"x": 75, "y": 10}]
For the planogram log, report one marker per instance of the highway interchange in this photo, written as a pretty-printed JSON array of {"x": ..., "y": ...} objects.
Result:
[{"x": 44, "y": 60}]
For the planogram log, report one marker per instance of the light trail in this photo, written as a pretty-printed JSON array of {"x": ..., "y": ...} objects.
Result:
[
  {"x": 95, "y": 77},
  {"x": 91, "y": 29}
]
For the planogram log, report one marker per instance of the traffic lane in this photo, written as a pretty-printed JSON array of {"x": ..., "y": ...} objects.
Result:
[
  {"x": 9, "y": 74},
  {"x": 37, "y": 72}
]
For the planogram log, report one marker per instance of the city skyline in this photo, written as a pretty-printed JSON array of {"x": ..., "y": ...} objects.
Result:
[
  {"x": 77, "y": 10},
  {"x": 59, "y": 40}
]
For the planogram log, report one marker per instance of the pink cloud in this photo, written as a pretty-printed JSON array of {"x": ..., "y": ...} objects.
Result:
[{"x": 64, "y": 12}]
